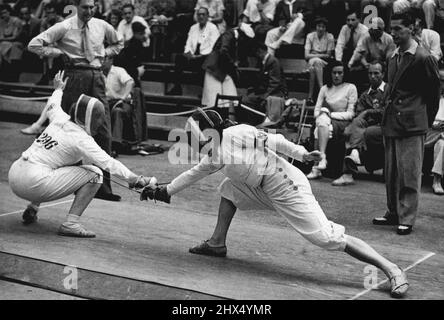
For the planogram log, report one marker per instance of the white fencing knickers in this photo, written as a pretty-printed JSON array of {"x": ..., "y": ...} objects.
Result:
[
  {"x": 288, "y": 192},
  {"x": 39, "y": 183}
]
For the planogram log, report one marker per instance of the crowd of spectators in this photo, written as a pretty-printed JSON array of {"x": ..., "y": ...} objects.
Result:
[{"x": 343, "y": 42}]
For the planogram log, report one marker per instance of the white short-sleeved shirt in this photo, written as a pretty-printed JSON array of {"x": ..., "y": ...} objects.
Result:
[{"x": 115, "y": 83}]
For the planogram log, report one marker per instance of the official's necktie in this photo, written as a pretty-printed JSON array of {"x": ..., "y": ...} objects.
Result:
[{"x": 86, "y": 42}]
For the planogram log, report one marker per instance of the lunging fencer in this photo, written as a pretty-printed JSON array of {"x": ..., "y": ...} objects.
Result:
[
  {"x": 48, "y": 169},
  {"x": 258, "y": 178}
]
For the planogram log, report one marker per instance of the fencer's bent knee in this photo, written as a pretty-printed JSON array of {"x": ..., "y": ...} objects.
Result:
[{"x": 332, "y": 238}]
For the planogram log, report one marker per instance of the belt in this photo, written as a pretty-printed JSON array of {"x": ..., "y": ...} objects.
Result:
[{"x": 82, "y": 67}]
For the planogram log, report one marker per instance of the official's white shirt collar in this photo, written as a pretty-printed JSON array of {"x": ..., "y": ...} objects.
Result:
[{"x": 412, "y": 49}]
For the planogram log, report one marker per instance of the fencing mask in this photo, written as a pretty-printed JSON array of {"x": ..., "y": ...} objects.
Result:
[{"x": 88, "y": 113}]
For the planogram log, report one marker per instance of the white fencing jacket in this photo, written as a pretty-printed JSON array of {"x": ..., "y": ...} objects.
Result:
[
  {"x": 64, "y": 143},
  {"x": 244, "y": 155}
]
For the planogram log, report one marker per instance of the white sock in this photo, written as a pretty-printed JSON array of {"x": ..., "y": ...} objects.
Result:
[
  {"x": 73, "y": 219},
  {"x": 33, "y": 206}
]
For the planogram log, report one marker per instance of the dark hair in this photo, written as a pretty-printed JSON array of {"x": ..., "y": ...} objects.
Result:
[
  {"x": 50, "y": 5},
  {"x": 128, "y": 5},
  {"x": 5, "y": 7},
  {"x": 328, "y": 80},
  {"x": 354, "y": 11},
  {"x": 115, "y": 12},
  {"x": 406, "y": 19},
  {"x": 204, "y": 8},
  {"x": 261, "y": 46},
  {"x": 381, "y": 63},
  {"x": 137, "y": 27},
  {"x": 321, "y": 20}
]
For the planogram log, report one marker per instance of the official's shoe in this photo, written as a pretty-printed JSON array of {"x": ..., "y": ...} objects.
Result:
[
  {"x": 437, "y": 189},
  {"x": 33, "y": 129},
  {"x": 399, "y": 285},
  {"x": 68, "y": 229},
  {"x": 29, "y": 215},
  {"x": 108, "y": 196},
  {"x": 314, "y": 174},
  {"x": 404, "y": 230},
  {"x": 383, "y": 221},
  {"x": 344, "y": 180},
  {"x": 205, "y": 249}
]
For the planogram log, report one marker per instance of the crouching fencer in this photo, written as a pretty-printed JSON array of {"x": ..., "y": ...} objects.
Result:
[
  {"x": 258, "y": 178},
  {"x": 48, "y": 169}
]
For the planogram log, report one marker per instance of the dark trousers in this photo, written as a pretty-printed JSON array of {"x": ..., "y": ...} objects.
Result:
[
  {"x": 370, "y": 147},
  {"x": 403, "y": 172},
  {"x": 183, "y": 63},
  {"x": 121, "y": 117},
  {"x": 91, "y": 83}
]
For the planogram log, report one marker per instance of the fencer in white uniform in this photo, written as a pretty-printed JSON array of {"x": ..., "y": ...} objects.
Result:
[
  {"x": 257, "y": 177},
  {"x": 48, "y": 170}
]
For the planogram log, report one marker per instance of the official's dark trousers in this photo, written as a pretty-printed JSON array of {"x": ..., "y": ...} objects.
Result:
[
  {"x": 92, "y": 83},
  {"x": 403, "y": 172}
]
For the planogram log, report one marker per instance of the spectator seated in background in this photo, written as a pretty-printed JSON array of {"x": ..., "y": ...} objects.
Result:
[
  {"x": 260, "y": 14},
  {"x": 271, "y": 83},
  {"x": 161, "y": 14},
  {"x": 384, "y": 8},
  {"x": 334, "y": 11},
  {"x": 114, "y": 18},
  {"x": 51, "y": 17},
  {"x": 30, "y": 25},
  {"x": 428, "y": 39},
  {"x": 319, "y": 48},
  {"x": 435, "y": 140},
  {"x": 50, "y": 65},
  {"x": 377, "y": 45},
  {"x": 349, "y": 37},
  {"x": 129, "y": 17},
  {"x": 131, "y": 57},
  {"x": 11, "y": 49},
  {"x": 221, "y": 68},
  {"x": 29, "y": 29},
  {"x": 334, "y": 111},
  {"x": 119, "y": 86},
  {"x": 201, "y": 39},
  {"x": 427, "y": 7},
  {"x": 366, "y": 125},
  {"x": 289, "y": 20},
  {"x": 216, "y": 10}
]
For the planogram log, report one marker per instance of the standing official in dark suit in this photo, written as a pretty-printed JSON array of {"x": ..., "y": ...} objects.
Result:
[{"x": 411, "y": 103}]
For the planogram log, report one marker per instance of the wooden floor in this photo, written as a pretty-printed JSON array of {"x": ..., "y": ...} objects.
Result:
[
  {"x": 149, "y": 242},
  {"x": 141, "y": 249}
]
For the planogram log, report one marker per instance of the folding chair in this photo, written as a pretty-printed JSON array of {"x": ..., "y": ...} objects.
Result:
[{"x": 227, "y": 112}]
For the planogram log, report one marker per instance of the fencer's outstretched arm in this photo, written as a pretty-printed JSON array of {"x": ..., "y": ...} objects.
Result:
[
  {"x": 204, "y": 168},
  {"x": 93, "y": 154}
]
